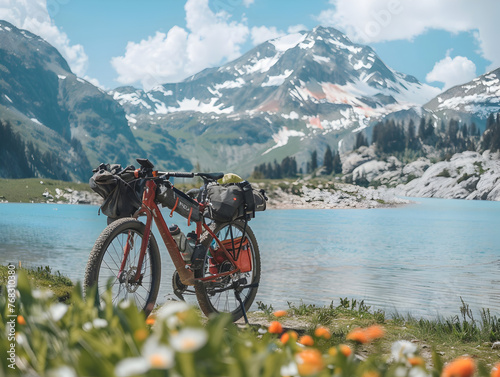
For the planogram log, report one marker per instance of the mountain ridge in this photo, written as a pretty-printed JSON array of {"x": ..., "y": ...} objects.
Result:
[{"x": 286, "y": 97}]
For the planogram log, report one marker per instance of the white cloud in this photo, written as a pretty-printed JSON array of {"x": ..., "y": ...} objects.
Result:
[
  {"x": 369, "y": 21},
  {"x": 32, "y": 15},
  {"x": 247, "y": 3},
  {"x": 296, "y": 28},
  {"x": 260, "y": 34},
  {"x": 452, "y": 72},
  {"x": 210, "y": 40}
]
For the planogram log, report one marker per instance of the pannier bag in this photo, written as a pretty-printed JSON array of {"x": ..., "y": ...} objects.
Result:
[
  {"x": 118, "y": 187},
  {"x": 232, "y": 201},
  {"x": 178, "y": 201}
]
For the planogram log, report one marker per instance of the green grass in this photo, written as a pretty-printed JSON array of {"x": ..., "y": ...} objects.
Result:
[
  {"x": 43, "y": 277},
  {"x": 30, "y": 190},
  {"x": 452, "y": 337}
]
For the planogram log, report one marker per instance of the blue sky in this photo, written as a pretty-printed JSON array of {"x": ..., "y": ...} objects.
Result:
[{"x": 156, "y": 41}]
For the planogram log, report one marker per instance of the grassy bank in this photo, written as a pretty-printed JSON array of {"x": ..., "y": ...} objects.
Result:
[
  {"x": 43, "y": 278},
  {"x": 462, "y": 334},
  {"x": 347, "y": 339},
  {"x": 31, "y": 190},
  {"x": 80, "y": 339}
]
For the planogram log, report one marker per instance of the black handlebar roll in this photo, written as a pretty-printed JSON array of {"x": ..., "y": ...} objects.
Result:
[{"x": 182, "y": 175}]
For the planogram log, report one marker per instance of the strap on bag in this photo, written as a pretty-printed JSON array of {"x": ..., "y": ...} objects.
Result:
[{"x": 174, "y": 207}]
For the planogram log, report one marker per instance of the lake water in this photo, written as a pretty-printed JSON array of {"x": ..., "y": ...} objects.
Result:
[{"x": 417, "y": 259}]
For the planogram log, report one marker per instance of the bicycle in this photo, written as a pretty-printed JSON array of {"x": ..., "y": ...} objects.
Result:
[{"x": 225, "y": 260}]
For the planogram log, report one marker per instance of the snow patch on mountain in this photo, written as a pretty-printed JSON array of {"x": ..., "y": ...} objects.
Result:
[
  {"x": 293, "y": 115},
  {"x": 238, "y": 83},
  {"x": 281, "y": 138},
  {"x": 130, "y": 98},
  {"x": 287, "y": 42},
  {"x": 195, "y": 105},
  {"x": 320, "y": 59},
  {"x": 262, "y": 65},
  {"x": 278, "y": 80}
]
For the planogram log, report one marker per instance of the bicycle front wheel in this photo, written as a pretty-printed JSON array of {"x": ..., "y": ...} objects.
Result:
[
  {"x": 221, "y": 294},
  {"x": 104, "y": 263}
]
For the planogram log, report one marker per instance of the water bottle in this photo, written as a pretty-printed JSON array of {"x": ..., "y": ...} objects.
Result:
[
  {"x": 182, "y": 242},
  {"x": 190, "y": 245}
]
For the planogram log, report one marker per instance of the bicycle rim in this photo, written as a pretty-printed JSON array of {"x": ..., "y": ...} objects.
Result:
[
  {"x": 219, "y": 295},
  {"x": 106, "y": 261}
]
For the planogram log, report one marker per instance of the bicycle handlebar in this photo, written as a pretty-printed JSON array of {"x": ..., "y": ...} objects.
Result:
[{"x": 178, "y": 174}]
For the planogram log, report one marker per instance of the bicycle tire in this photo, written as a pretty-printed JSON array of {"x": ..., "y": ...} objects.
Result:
[
  {"x": 107, "y": 248},
  {"x": 207, "y": 300}
]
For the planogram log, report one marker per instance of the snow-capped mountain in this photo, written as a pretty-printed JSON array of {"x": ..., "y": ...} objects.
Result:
[
  {"x": 480, "y": 97},
  {"x": 312, "y": 87}
]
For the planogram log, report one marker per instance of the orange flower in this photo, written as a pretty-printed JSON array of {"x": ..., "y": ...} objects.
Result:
[
  {"x": 371, "y": 373},
  {"x": 306, "y": 340},
  {"x": 344, "y": 349},
  {"x": 358, "y": 335},
  {"x": 286, "y": 336},
  {"x": 309, "y": 362},
  {"x": 280, "y": 313},
  {"x": 461, "y": 367},
  {"x": 416, "y": 361},
  {"x": 495, "y": 372},
  {"x": 21, "y": 320},
  {"x": 151, "y": 320},
  {"x": 375, "y": 332},
  {"x": 140, "y": 334},
  {"x": 322, "y": 332},
  {"x": 275, "y": 327},
  {"x": 366, "y": 335}
]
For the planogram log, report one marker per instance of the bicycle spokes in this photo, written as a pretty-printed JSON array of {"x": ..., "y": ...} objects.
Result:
[{"x": 120, "y": 266}]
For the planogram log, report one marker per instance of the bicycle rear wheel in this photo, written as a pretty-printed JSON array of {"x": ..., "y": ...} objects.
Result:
[
  {"x": 106, "y": 257},
  {"x": 220, "y": 295}
]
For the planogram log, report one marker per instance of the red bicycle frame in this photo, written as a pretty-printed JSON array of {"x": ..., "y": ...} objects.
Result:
[{"x": 150, "y": 209}]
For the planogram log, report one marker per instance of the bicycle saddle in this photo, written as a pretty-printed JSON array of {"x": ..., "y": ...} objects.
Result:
[{"x": 211, "y": 176}]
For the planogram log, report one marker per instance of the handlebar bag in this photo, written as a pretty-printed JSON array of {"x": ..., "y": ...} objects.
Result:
[
  {"x": 120, "y": 191},
  {"x": 178, "y": 201}
]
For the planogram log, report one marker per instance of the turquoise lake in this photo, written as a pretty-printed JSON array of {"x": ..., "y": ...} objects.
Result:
[{"x": 418, "y": 259}]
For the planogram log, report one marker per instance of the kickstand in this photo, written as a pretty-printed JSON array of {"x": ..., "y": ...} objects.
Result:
[{"x": 238, "y": 297}]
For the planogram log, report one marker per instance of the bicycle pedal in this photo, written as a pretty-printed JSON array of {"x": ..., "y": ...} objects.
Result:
[{"x": 177, "y": 286}]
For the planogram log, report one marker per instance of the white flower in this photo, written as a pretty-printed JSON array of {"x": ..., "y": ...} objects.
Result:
[
  {"x": 418, "y": 372},
  {"x": 57, "y": 311},
  {"x": 42, "y": 294},
  {"x": 171, "y": 308},
  {"x": 64, "y": 371},
  {"x": 289, "y": 369},
  {"x": 158, "y": 355},
  {"x": 87, "y": 326},
  {"x": 401, "y": 350},
  {"x": 99, "y": 323},
  {"x": 154, "y": 356},
  {"x": 131, "y": 366},
  {"x": 125, "y": 304},
  {"x": 21, "y": 339},
  {"x": 189, "y": 339}
]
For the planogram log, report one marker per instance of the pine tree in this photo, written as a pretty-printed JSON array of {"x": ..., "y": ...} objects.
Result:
[
  {"x": 337, "y": 164},
  {"x": 314, "y": 161},
  {"x": 328, "y": 160},
  {"x": 361, "y": 140}
]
